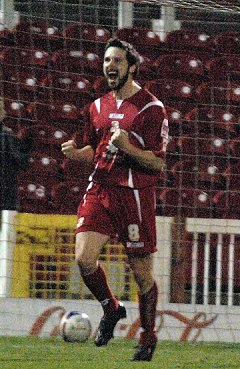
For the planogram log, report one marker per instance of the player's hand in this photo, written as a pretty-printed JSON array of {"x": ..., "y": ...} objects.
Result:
[
  {"x": 69, "y": 148},
  {"x": 120, "y": 139}
]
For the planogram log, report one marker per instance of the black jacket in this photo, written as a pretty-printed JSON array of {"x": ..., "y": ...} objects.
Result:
[{"x": 14, "y": 157}]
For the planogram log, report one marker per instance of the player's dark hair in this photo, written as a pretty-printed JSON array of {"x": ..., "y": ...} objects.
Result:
[{"x": 132, "y": 55}]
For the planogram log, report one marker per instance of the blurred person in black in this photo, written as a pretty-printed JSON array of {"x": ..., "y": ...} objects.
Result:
[{"x": 14, "y": 157}]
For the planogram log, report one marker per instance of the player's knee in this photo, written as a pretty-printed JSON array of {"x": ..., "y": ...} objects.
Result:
[
  {"x": 86, "y": 264},
  {"x": 144, "y": 282},
  {"x": 87, "y": 269}
]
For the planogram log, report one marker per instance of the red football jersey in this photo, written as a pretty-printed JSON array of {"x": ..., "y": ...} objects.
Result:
[{"x": 144, "y": 118}]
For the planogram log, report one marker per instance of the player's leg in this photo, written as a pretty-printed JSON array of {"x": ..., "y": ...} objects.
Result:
[
  {"x": 148, "y": 296},
  {"x": 139, "y": 237},
  {"x": 88, "y": 247},
  {"x": 93, "y": 231}
]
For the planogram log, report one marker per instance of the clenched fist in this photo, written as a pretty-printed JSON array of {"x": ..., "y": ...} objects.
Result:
[
  {"x": 69, "y": 148},
  {"x": 120, "y": 139}
]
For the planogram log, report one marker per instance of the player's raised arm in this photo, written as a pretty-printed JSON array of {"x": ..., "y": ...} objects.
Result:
[
  {"x": 70, "y": 150},
  {"x": 147, "y": 159}
]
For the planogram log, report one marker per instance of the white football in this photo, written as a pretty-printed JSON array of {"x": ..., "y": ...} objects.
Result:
[{"x": 75, "y": 327}]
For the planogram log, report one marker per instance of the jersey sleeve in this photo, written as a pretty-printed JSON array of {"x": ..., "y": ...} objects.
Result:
[
  {"x": 155, "y": 130},
  {"x": 89, "y": 135}
]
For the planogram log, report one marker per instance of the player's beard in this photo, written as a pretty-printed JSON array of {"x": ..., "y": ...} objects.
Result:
[{"x": 119, "y": 82}]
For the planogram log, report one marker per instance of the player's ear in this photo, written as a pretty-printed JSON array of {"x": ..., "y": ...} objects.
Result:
[{"x": 132, "y": 69}]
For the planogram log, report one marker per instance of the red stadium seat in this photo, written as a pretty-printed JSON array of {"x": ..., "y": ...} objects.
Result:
[
  {"x": 16, "y": 107},
  {"x": 205, "y": 147},
  {"x": 224, "y": 67},
  {"x": 218, "y": 93},
  {"x": 43, "y": 169},
  {"x": 13, "y": 56},
  {"x": 46, "y": 138},
  {"x": 234, "y": 148},
  {"x": 232, "y": 176},
  {"x": 185, "y": 39},
  {"x": 66, "y": 196},
  {"x": 198, "y": 174},
  {"x": 77, "y": 61},
  {"x": 23, "y": 83},
  {"x": 72, "y": 60},
  {"x": 76, "y": 171},
  {"x": 172, "y": 154},
  {"x": 94, "y": 63},
  {"x": 71, "y": 87},
  {"x": 145, "y": 40},
  {"x": 80, "y": 35},
  {"x": 186, "y": 202},
  {"x": 227, "y": 43},
  {"x": 213, "y": 120},
  {"x": 186, "y": 67},
  {"x": 146, "y": 70},
  {"x": 227, "y": 204},
  {"x": 168, "y": 89},
  {"x": 49, "y": 112},
  {"x": 33, "y": 32},
  {"x": 175, "y": 119},
  {"x": 33, "y": 198}
]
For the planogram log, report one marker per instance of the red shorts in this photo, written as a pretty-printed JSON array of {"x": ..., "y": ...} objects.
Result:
[{"x": 122, "y": 211}]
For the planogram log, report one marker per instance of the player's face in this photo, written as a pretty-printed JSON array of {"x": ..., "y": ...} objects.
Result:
[{"x": 115, "y": 67}]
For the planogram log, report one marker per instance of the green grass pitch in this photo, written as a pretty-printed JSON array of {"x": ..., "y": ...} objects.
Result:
[{"x": 53, "y": 353}]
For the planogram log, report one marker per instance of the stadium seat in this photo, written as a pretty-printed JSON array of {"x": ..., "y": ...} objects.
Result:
[
  {"x": 211, "y": 119},
  {"x": 16, "y": 107},
  {"x": 203, "y": 146},
  {"x": 199, "y": 174},
  {"x": 72, "y": 60},
  {"x": 77, "y": 171},
  {"x": 33, "y": 198},
  {"x": 146, "y": 70},
  {"x": 66, "y": 196},
  {"x": 46, "y": 139},
  {"x": 32, "y": 32},
  {"x": 185, "y": 39},
  {"x": 224, "y": 68},
  {"x": 43, "y": 169},
  {"x": 234, "y": 148},
  {"x": 184, "y": 66},
  {"x": 77, "y": 61},
  {"x": 20, "y": 57},
  {"x": 232, "y": 176},
  {"x": 49, "y": 112},
  {"x": 169, "y": 90},
  {"x": 25, "y": 83},
  {"x": 81, "y": 35},
  {"x": 145, "y": 40},
  {"x": 186, "y": 202},
  {"x": 172, "y": 154},
  {"x": 175, "y": 119},
  {"x": 71, "y": 87},
  {"x": 227, "y": 43},
  {"x": 218, "y": 93},
  {"x": 226, "y": 204}
]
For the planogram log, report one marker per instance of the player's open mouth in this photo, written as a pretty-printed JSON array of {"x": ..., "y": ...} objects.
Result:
[{"x": 112, "y": 76}]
